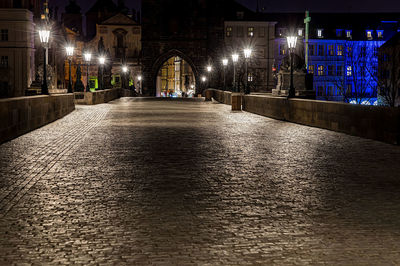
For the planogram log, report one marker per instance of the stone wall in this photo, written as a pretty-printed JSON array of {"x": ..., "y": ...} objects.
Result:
[
  {"x": 99, "y": 97},
  {"x": 24, "y": 114},
  {"x": 373, "y": 122}
]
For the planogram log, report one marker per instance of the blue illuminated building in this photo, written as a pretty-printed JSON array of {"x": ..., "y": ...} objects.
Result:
[{"x": 343, "y": 51}]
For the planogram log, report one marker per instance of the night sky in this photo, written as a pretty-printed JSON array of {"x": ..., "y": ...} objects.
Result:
[{"x": 287, "y": 5}]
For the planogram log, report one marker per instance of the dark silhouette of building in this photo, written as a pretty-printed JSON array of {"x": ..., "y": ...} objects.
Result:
[
  {"x": 72, "y": 18},
  {"x": 192, "y": 30},
  {"x": 99, "y": 12}
]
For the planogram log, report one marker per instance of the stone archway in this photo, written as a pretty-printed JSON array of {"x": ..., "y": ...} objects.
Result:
[{"x": 158, "y": 63}]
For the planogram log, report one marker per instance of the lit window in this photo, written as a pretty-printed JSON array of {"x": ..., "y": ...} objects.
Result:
[
  {"x": 228, "y": 31},
  {"x": 311, "y": 69},
  {"x": 250, "y": 77},
  {"x": 369, "y": 34},
  {"x": 319, "y": 33},
  {"x": 300, "y": 32},
  {"x": 321, "y": 70},
  {"x": 250, "y": 31},
  {"x": 380, "y": 34},
  {"x": 349, "y": 71},
  {"x": 348, "y": 33},
  {"x": 331, "y": 50},
  {"x": 4, "y": 35},
  {"x": 282, "y": 49},
  {"x": 339, "y": 50}
]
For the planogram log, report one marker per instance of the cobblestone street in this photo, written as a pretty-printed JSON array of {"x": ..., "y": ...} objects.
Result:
[{"x": 189, "y": 182}]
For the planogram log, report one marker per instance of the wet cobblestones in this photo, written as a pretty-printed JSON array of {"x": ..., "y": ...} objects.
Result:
[{"x": 183, "y": 183}]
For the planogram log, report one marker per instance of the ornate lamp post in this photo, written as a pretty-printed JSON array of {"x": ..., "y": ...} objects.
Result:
[
  {"x": 102, "y": 61},
  {"x": 235, "y": 59},
  {"x": 70, "y": 52},
  {"x": 247, "y": 55},
  {"x": 291, "y": 40},
  {"x": 88, "y": 57},
  {"x": 224, "y": 64},
  {"x": 140, "y": 83},
  {"x": 44, "y": 35},
  {"x": 125, "y": 73},
  {"x": 209, "y": 69}
]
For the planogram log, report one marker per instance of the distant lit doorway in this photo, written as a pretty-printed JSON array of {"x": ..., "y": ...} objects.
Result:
[{"x": 176, "y": 79}]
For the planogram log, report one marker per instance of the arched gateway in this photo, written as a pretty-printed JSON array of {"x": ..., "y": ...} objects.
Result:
[{"x": 174, "y": 74}]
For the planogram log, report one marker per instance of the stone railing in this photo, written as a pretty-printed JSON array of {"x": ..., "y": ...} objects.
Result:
[
  {"x": 24, "y": 114},
  {"x": 373, "y": 122},
  {"x": 99, "y": 97}
]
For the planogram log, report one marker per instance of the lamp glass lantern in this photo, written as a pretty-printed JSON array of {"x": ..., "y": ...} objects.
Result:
[
  {"x": 44, "y": 35},
  {"x": 140, "y": 78},
  {"x": 102, "y": 60},
  {"x": 203, "y": 78},
  {"x": 224, "y": 62},
  {"x": 235, "y": 58},
  {"x": 88, "y": 57},
  {"x": 247, "y": 53},
  {"x": 70, "y": 50},
  {"x": 209, "y": 68},
  {"x": 291, "y": 41},
  {"x": 125, "y": 69}
]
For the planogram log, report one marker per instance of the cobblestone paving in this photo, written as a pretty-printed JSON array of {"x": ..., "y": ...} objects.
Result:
[{"x": 181, "y": 183}]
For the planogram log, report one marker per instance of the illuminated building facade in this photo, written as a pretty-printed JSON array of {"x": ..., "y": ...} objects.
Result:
[{"x": 343, "y": 51}]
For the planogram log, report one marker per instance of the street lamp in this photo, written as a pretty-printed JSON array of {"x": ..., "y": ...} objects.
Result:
[
  {"x": 247, "y": 55},
  {"x": 44, "y": 35},
  {"x": 140, "y": 83},
  {"x": 88, "y": 57},
  {"x": 291, "y": 41},
  {"x": 209, "y": 69},
  {"x": 225, "y": 64},
  {"x": 102, "y": 61},
  {"x": 70, "y": 52},
  {"x": 125, "y": 71},
  {"x": 235, "y": 59}
]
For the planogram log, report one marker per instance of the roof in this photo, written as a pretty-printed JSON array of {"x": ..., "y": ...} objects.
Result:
[
  {"x": 119, "y": 19},
  {"x": 395, "y": 40},
  {"x": 358, "y": 23}
]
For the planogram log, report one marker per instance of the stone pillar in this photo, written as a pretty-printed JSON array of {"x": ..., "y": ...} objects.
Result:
[
  {"x": 236, "y": 102},
  {"x": 209, "y": 94}
]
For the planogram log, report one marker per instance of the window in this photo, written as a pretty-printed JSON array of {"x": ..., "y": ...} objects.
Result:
[
  {"x": 250, "y": 77},
  {"x": 311, "y": 69},
  {"x": 339, "y": 33},
  {"x": 349, "y": 71},
  {"x": 261, "y": 32},
  {"x": 339, "y": 51},
  {"x": 348, "y": 34},
  {"x": 319, "y": 33},
  {"x": 331, "y": 70},
  {"x": 300, "y": 32},
  {"x": 320, "y": 90},
  {"x": 339, "y": 71},
  {"x": 250, "y": 31},
  {"x": 4, "y": 35},
  {"x": 321, "y": 50},
  {"x": 331, "y": 50},
  {"x": 363, "y": 51},
  {"x": 380, "y": 34},
  {"x": 329, "y": 91},
  {"x": 311, "y": 49},
  {"x": 228, "y": 31},
  {"x": 349, "y": 89},
  {"x": 321, "y": 70},
  {"x": 282, "y": 50},
  {"x": 349, "y": 51},
  {"x": 369, "y": 34},
  {"x": 4, "y": 62}
]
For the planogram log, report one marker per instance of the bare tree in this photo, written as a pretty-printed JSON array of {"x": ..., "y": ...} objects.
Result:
[
  {"x": 358, "y": 82},
  {"x": 389, "y": 75}
]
